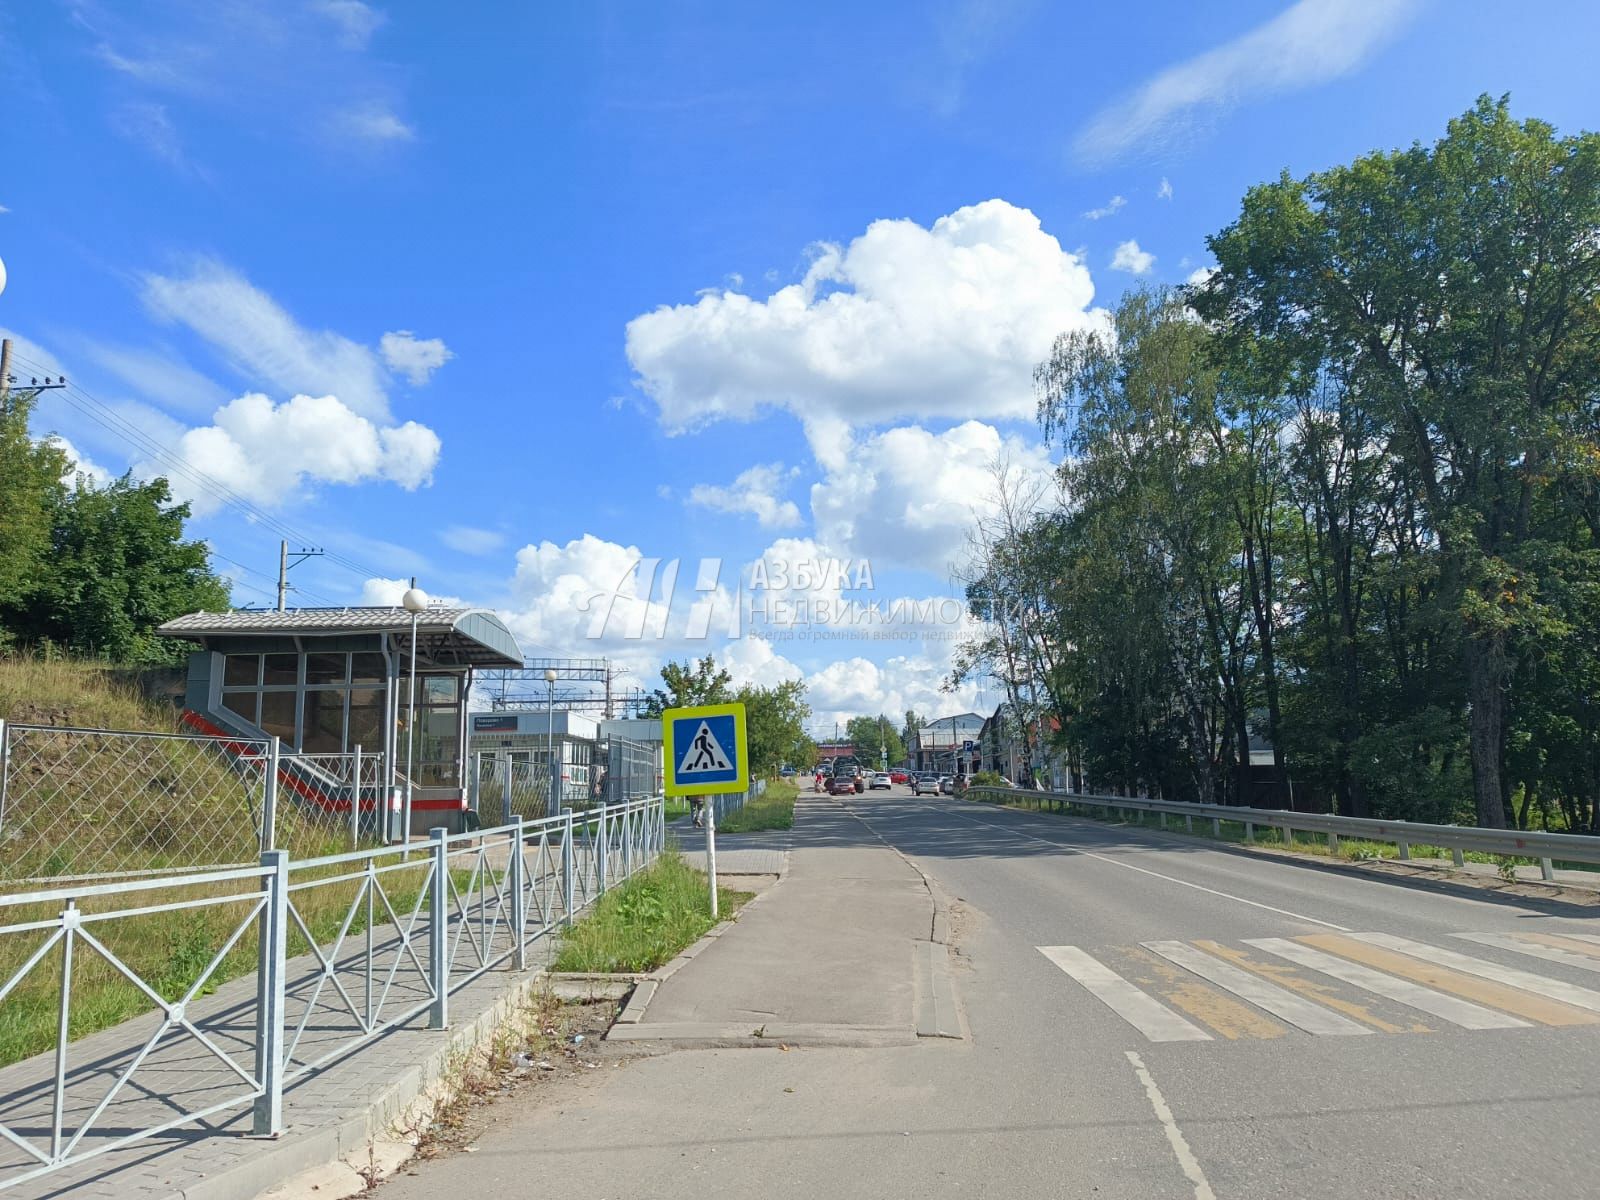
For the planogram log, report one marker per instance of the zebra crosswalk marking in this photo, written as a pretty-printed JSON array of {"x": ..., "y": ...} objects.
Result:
[
  {"x": 1414, "y": 995},
  {"x": 1149, "y": 1016},
  {"x": 1286, "y": 976},
  {"x": 1551, "y": 953},
  {"x": 1209, "y": 1007},
  {"x": 1280, "y": 1002},
  {"x": 1582, "y": 943},
  {"x": 1554, "y": 989}
]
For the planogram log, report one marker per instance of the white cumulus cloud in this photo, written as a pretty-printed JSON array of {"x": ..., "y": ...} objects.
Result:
[
  {"x": 1309, "y": 43},
  {"x": 756, "y": 492},
  {"x": 908, "y": 496},
  {"x": 415, "y": 358},
  {"x": 943, "y": 321},
  {"x": 267, "y": 452},
  {"x": 1130, "y": 258}
]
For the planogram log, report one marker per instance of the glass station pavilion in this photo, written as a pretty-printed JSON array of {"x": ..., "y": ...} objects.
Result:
[{"x": 326, "y": 680}]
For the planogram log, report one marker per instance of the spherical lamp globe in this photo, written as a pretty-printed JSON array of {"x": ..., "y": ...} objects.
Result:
[{"x": 414, "y": 601}]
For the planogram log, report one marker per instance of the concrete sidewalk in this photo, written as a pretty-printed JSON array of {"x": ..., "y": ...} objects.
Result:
[{"x": 837, "y": 953}]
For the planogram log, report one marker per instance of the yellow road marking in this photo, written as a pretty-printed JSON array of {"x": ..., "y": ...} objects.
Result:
[
  {"x": 1495, "y": 995},
  {"x": 1288, "y": 977},
  {"x": 1222, "y": 1013}
]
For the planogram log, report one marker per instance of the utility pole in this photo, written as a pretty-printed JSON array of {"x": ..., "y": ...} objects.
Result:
[
  {"x": 609, "y": 713},
  {"x": 5, "y": 370},
  {"x": 283, "y": 570}
]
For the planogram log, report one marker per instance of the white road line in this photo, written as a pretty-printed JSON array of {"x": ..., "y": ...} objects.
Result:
[
  {"x": 1150, "y": 1017},
  {"x": 1555, "y": 989},
  {"x": 1508, "y": 941},
  {"x": 1187, "y": 1162},
  {"x": 1439, "y": 1004},
  {"x": 1282, "y": 912},
  {"x": 1582, "y": 937},
  {"x": 1280, "y": 1002}
]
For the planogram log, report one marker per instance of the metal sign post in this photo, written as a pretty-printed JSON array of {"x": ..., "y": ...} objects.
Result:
[
  {"x": 711, "y": 849},
  {"x": 706, "y": 754}
]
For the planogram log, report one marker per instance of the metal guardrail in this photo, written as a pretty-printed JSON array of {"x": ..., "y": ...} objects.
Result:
[
  {"x": 1548, "y": 848},
  {"x": 348, "y": 946}
]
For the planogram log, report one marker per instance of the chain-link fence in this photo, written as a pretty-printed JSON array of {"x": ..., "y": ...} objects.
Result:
[
  {"x": 80, "y": 802},
  {"x": 76, "y": 803},
  {"x": 327, "y": 803}
]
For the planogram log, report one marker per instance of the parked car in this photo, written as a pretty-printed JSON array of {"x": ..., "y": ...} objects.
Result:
[
  {"x": 840, "y": 785},
  {"x": 881, "y": 780},
  {"x": 899, "y": 776},
  {"x": 786, "y": 772},
  {"x": 947, "y": 785},
  {"x": 925, "y": 785}
]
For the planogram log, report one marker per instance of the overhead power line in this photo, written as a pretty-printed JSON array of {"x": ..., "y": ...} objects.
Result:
[{"x": 108, "y": 419}]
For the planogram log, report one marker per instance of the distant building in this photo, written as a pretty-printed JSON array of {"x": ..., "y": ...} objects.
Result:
[{"x": 948, "y": 745}]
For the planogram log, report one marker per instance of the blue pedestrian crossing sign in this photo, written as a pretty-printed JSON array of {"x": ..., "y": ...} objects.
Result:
[{"x": 705, "y": 750}]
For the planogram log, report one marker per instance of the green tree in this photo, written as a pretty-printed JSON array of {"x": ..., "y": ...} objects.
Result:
[
  {"x": 873, "y": 737},
  {"x": 1458, "y": 287},
  {"x": 91, "y": 569},
  {"x": 31, "y": 494},
  {"x": 689, "y": 683},
  {"x": 119, "y": 567},
  {"x": 775, "y": 720}
]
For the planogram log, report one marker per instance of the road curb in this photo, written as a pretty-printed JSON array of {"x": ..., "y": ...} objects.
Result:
[
  {"x": 329, "y": 1142},
  {"x": 645, "y": 986}
]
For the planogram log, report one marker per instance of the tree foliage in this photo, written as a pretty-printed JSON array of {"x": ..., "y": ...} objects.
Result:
[
  {"x": 1332, "y": 518},
  {"x": 871, "y": 738},
  {"x": 91, "y": 569}
]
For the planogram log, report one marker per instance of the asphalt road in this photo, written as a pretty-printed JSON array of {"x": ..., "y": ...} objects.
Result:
[{"x": 1149, "y": 1016}]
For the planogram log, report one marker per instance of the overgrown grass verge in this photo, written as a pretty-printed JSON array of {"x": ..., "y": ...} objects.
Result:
[
  {"x": 644, "y": 923},
  {"x": 1305, "y": 842},
  {"x": 773, "y": 809}
]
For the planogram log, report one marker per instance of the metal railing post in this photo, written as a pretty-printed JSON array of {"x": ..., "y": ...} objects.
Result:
[
  {"x": 629, "y": 819},
  {"x": 269, "y": 799},
  {"x": 438, "y": 926},
  {"x": 603, "y": 852},
  {"x": 1547, "y": 870},
  {"x": 5, "y": 769},
  {"x": 519, "y": 906},
  {"x": 355, "y": 801},
  {"x": 271, "y": 968},
  {"x": 566, "y": 865}
]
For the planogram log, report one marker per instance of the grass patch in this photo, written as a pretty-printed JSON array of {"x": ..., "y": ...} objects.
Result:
[
  {"x": 647, "y": 921},
  {"x": 773, "y": 809}
]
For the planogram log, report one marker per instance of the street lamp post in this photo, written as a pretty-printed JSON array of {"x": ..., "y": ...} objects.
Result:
[
  {"x": 550, "y": 742},
  {"x": 415, "y": 602}
]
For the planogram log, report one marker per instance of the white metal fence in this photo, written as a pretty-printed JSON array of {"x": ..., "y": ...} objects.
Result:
[
  {"x": 1547, "y": 848},
  {"x": 286, "y": 965}
]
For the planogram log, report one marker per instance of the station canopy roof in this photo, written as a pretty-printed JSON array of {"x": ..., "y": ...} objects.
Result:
[{"x": 445, "y": 636}]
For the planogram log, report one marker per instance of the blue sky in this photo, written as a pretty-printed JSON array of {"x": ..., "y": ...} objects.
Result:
[{"x": 509, "y": 296}]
